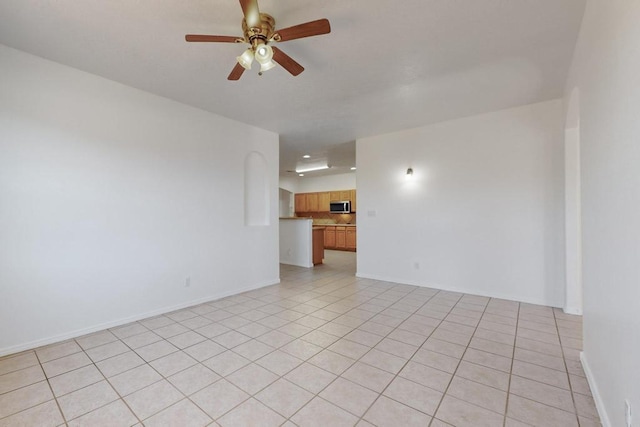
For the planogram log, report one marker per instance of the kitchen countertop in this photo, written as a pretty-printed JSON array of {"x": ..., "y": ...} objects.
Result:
[{"x": 296, "y": 218}]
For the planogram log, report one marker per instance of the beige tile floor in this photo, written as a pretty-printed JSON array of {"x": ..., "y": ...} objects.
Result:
[{"x": 323, "y": 348}]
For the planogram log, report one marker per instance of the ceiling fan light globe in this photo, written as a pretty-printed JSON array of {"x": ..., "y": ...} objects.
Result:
[
  {"x": 264, "y": 54},
  {"x": 267, "y": 66},
  {"x": 246, "y": 59}
]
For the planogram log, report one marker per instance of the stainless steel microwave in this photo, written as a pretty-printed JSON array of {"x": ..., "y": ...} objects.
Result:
[{"x": 340, "y": 207}]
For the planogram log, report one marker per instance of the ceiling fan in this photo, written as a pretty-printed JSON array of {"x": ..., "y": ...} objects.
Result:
[{"x": 259, "y": 32}]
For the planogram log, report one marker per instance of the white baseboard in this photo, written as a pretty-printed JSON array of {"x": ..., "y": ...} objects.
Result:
[
  {"x": 296, "y": 264},
  {"x": 572, "y": 310},
  {"x": 102, "y": 326},
  {"x": 597, "y": 397},
  {"x": 454, "y": 289}
]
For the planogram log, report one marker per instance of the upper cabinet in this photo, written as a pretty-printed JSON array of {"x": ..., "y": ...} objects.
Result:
[
  {"x": 301, "y": 203},
  {"x": 353, "y": 201},
  {"x": 323, "y": 201},
  {"x": 319, "y": 202},
  {"x": 312, "y": 202}
]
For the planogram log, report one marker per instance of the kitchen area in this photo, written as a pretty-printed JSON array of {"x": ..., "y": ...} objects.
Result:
[
  {"x": 318, "y": 203},
  {"x": 324, "y": 220}
]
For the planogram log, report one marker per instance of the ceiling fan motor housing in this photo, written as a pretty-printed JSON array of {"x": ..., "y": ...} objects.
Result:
[{"x": 262, "y": 33}]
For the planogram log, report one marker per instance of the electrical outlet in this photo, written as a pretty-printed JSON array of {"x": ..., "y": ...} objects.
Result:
[
  {"x": 187, "y": 282},
  {"x": 627, "y": 407}
]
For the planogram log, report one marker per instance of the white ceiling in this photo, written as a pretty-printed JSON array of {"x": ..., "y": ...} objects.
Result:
[{"x": 387, "y": 65}]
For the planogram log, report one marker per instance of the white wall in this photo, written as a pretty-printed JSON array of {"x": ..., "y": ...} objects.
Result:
[
  {"x": 288, "y": 183},
  {"x": 111, "y": 197},
  {"x": 483, "y": 213},
  {"x": 572, "y": 228},
  {"x": 605, "y": 70},
  {"x": 286, "y": 203},
  {"x": 311, "y": 184},
  {"x": 296, "y": 242}
]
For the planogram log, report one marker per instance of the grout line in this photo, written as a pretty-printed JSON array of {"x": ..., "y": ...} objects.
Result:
[
  {"x": 64, "y": 417},
  {"x": 453, "y": 375},
  {"x": 564, "y": 361},
  {"x": 515, "y": 339},
  {"x": 371, "y": 348},
  {"x": 107, "y": 379}
]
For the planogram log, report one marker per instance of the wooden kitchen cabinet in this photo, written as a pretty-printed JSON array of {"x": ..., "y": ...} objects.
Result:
[
  {"x": 330, "y": 237},
  {"x": 320, "y": 202},
  {"x": 341, "y": 237},
  {"x": 351, "y": 238},
  {"x": 318, "y": 245},
  {"x": 312, "y": 202},
  {"x": 301, "y": 202},
  {"x": 323, "y": 201}
]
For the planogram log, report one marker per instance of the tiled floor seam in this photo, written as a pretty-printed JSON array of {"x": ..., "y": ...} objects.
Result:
[
  {"x": 453, "y": 375},
  {"x": 513, "y": 358},
  {"x": 381, "y": 393},
  {"x": 410, "y": 358},
  {"x": 105, "y": 378},
  {"x": 64, "y": 418},
  {"x": 564, "y": 361},
  {"x": 254, "y": 394},
  {"x": 361, "y": 418}
]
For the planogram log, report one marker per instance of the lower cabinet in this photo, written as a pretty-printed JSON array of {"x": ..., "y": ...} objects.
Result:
[
  {"x": 318, "y": 246},
  {"x": 330, "y": 237},
  {"x": 351, "y": 238},
  {"x": 340, "y": 237}
]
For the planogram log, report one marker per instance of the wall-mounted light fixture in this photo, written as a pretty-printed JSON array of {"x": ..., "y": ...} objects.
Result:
[{"x": 409, "y": 172}]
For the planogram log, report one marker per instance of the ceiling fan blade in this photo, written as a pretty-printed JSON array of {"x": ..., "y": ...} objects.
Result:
[
  {"x": 217, "y": 39},
  {"x": 251, "y": 12},
  {"x": 309, "y": 29},
  {"x": 236, "y": 73},
  {"x": 287, "y": 62}
]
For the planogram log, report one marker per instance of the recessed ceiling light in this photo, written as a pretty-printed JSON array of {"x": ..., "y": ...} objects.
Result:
[
  {"x": 353, "y": 168},
  {"x": 306, "y": 156},
  {"x": 300, "y": 174}
]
